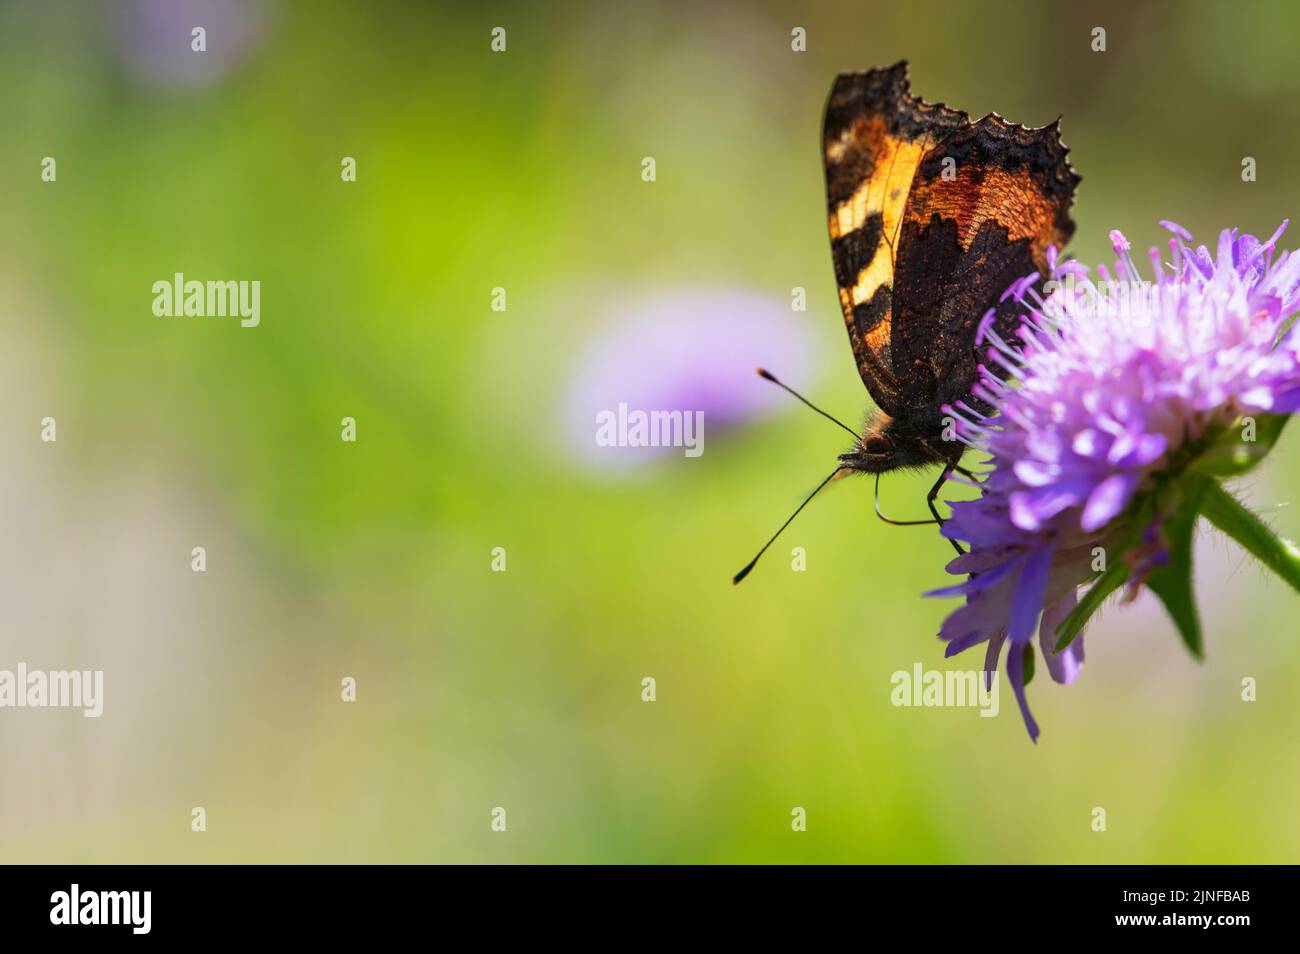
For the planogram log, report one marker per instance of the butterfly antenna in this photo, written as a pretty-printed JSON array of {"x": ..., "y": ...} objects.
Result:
[
  {"x": 750, "y": 565},
  {"x": 769, "y": 376}
]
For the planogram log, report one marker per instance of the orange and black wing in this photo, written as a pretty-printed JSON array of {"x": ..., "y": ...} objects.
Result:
[
  {"x": 984, "y": 205},
  {"x": 874, "y": 138}
]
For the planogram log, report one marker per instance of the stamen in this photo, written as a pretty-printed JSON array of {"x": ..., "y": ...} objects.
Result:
[
  {"x": 1154, "y": 256},
  {"x": 993, "y": 379},
  {"x": 995, "y": 356},
  {"x": 971, "y": 412},
  {"x": 1270, "y": 244},
  {"x": 949, "y": 410},
  {"x": 1001, "y": 345}
]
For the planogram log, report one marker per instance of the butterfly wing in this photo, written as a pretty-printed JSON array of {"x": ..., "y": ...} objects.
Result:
[
  {"x": 984, "y": 206},
  {"x": 874, "y": 138}
]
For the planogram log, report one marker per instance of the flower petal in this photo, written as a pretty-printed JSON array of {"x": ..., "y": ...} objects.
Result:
[
  {"x": 1107, "y": 500},
  {"x": 1028, "y": 600},
  {"x": 1016, "y": 674},
  {"x": 1064, "y": 666}
]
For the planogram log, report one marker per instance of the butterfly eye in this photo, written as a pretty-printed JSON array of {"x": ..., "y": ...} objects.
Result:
[{"x": 876, "y": 444}]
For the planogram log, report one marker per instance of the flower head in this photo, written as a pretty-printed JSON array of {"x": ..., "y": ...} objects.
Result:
[
  {"x": 1115, "y": 409},
  {"x": 155, "y": 41},
  {"x": 688, "y": 350}
]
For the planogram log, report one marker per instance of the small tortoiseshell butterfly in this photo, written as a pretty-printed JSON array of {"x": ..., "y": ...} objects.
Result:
[{"x": 932, "y": 217}]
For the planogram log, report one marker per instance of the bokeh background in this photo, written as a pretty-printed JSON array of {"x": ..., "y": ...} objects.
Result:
[{"x": 372, "y": 559}]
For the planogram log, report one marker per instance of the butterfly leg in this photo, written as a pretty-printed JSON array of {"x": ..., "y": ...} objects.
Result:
[
  {"x": 904, "y": 523},
  {"x": 934, "y": 492}
]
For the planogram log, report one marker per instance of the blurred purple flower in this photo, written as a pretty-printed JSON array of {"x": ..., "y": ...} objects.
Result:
[
  {"x": 1097, "y": 401},
  {"x": 692, "y": 350},
  {"x": 153, "y": 38}
]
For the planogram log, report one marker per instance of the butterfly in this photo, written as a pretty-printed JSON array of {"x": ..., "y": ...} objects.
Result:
[{"x": 932, "y": 217}]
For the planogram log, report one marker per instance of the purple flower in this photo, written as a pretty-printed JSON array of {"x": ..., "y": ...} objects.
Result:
[
  {"x": 1111, "y": 392},
  {"x": 693, "y": 350},
  {"x": 154, "y": 38}
]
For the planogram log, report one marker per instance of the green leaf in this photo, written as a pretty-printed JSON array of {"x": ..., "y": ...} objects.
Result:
[
  {"x": 1172, "y": 581},
  {"x": 1257, "y": 538},
  {"x": 1115, "y": 576},
  {"x": 1027, "y": 672},
  {"x": 1232, "y": 454}
]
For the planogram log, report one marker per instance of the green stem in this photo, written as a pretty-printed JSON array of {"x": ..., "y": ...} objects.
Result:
[{"x": 1277, "y": 553}]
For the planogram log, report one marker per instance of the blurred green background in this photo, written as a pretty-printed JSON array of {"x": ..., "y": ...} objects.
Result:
[{"x": 372, "y": 559}]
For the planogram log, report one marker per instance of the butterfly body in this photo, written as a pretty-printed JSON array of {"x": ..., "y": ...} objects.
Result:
[
  {"x": 931, "y": 217},
  {"x": 889, "y": 443}
]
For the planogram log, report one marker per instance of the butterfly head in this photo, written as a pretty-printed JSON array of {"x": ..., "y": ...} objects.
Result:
[{"x": 890, "y": 443}]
